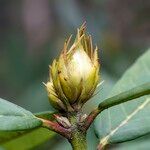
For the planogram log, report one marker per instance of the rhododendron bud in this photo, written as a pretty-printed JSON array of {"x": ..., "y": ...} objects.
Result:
[{"x": 75, "y": 75}]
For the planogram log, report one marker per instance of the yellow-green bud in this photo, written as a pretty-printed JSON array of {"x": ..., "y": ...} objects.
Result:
[{"x": 75, "y": 75}]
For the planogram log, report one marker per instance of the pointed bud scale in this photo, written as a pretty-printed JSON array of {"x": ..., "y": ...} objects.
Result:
[
  {"x": 63, "y": 121},
  {"x": 75, "y": 75},
  {"x": 82, "y": 118}
]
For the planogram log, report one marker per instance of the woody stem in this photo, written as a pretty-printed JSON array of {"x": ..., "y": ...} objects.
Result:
[
  {"x": 78, "y": 134},
  {"x": 54, "y": 126}
]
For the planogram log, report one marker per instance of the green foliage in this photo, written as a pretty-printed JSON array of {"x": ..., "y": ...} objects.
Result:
[
  {"x": 131, "y": 94},
  {"x": 13, "y": 117},
  {"x": 117, "y": 124},
  {"x": 141, "y": 143},
  {"x": 128, "y": 120},
  {"x": 27, "y": 139}
]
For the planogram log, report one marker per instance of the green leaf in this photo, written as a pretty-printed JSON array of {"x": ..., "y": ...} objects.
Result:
[
  {"x": 28, "y": 139},
  {"x": 129, "y": 95},
  {"x": 141, "y": 143},
  {"x": 128, "y": 120},
  {"x": 13, "y": 117}
]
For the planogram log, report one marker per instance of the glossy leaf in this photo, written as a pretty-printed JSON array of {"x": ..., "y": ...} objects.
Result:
[
  {"x": 27, "y": 139},
  {"x": 128, "y": 120},
  {"x": 136, "y": 92},
  {"x": 13, "y": 117}
]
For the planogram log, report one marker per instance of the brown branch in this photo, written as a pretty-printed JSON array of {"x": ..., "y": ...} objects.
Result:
[
  {"x": 54, "y": 126},
  {"x": 91, "y": 117}
]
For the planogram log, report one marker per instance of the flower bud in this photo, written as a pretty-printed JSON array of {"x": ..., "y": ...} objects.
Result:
[
  {"x": 75, "y": 75},
  {"x": 63, "y": 121},
  {"x": 82, "y": 118}
]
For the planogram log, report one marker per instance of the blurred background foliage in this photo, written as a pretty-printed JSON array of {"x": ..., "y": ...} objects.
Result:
[{"x": 32, "y": 33}]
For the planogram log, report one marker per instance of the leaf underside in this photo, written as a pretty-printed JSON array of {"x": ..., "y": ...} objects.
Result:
[
  {"x": 128, "y": 120},
  {"x": 21, "y": 128}
]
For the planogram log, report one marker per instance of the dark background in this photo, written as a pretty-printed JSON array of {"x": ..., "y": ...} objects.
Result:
[{"x": 32, "y": 33}]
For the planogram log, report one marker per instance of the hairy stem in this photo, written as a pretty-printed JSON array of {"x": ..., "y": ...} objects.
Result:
[
  {"x": 78, "y": 134},
  {"x": 78, "y": 141}
]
